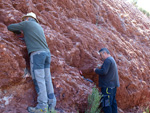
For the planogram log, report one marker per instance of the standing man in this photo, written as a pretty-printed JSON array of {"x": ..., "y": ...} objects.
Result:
[
  {"x": 40, "y": 59},
  {"x": 108, "y": 81}
]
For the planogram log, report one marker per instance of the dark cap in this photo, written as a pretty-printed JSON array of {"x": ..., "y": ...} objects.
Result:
[{"x": 104, "y": 49}]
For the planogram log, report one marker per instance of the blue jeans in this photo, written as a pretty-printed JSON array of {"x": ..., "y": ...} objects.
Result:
[
  {"x": 40, "y": 71},
  {"x": 109, "y": 100}
]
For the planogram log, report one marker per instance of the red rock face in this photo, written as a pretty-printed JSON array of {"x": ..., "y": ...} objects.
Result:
[{"x": 75, "y": 30}]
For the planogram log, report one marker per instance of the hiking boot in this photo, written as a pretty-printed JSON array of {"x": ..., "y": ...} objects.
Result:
[
  {"x": 36, "y": 110},
  {"x": 51, "y": 110}
]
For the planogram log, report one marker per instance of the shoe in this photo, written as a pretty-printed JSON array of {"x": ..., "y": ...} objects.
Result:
[
  {"x": 51, "y": 110},
  {"x": 36, "y": 110}
]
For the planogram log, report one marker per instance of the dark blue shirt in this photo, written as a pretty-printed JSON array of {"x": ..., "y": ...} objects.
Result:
[{"x": 108, "y": 74}]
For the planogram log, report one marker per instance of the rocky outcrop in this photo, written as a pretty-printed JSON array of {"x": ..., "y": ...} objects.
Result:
[{"x": 75, "y": 30}]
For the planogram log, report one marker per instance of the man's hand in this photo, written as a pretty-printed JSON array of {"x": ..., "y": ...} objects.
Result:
[
  {"x": 94, "y": 69},
  {"x": 99, "y": 66},
  {"x": 80, "y": 72},
  {"x": 20, "y": 35}
]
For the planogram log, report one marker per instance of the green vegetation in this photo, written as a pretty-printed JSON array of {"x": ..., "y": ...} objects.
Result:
[
  {"x": 94, "y": 102},
  {"x": 144, "y": 11},
  {"x": 134, "y": 2},
  {"x": 147, "y": 110},
  {"x": 53, "y": 111}
]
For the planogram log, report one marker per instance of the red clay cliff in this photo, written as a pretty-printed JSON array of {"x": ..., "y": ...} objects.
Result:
[{"x": 75, "y": 30}]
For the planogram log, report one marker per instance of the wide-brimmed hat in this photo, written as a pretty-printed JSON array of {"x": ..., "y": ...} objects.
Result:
[{"x": 31, "y": 14}]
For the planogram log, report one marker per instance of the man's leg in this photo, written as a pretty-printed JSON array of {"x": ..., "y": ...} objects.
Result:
[
  {"x": 50, "y": 90},
  {"x": 114, "y": 102},
  {"x": 107, "y": 100},
  {"x": 49, "y": 85},
  {"x": 37, "y": 60}
]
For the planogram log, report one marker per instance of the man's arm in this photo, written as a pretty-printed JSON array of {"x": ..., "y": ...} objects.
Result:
[
  {"x": 104, "y": 69},
  {"x": 16, "y": 28}
]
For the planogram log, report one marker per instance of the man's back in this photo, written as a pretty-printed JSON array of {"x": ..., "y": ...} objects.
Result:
[{"x": 33, "y": 33}]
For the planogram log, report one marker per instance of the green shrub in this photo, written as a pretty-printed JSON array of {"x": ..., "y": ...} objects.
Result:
[
  {"x": 147, "y": 110},
  {"x": 144, "y": 11},
  {"x": 134, "y": 2},
  {"x": 94, "y": 102}
]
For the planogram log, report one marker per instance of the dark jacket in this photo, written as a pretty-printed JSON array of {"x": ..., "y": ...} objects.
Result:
[{"x": 108, "y": 74}]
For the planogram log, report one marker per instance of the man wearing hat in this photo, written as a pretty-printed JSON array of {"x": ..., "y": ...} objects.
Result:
[
  {"x": 108, "y": 81},
  {"x": 40, "y": 59}
]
